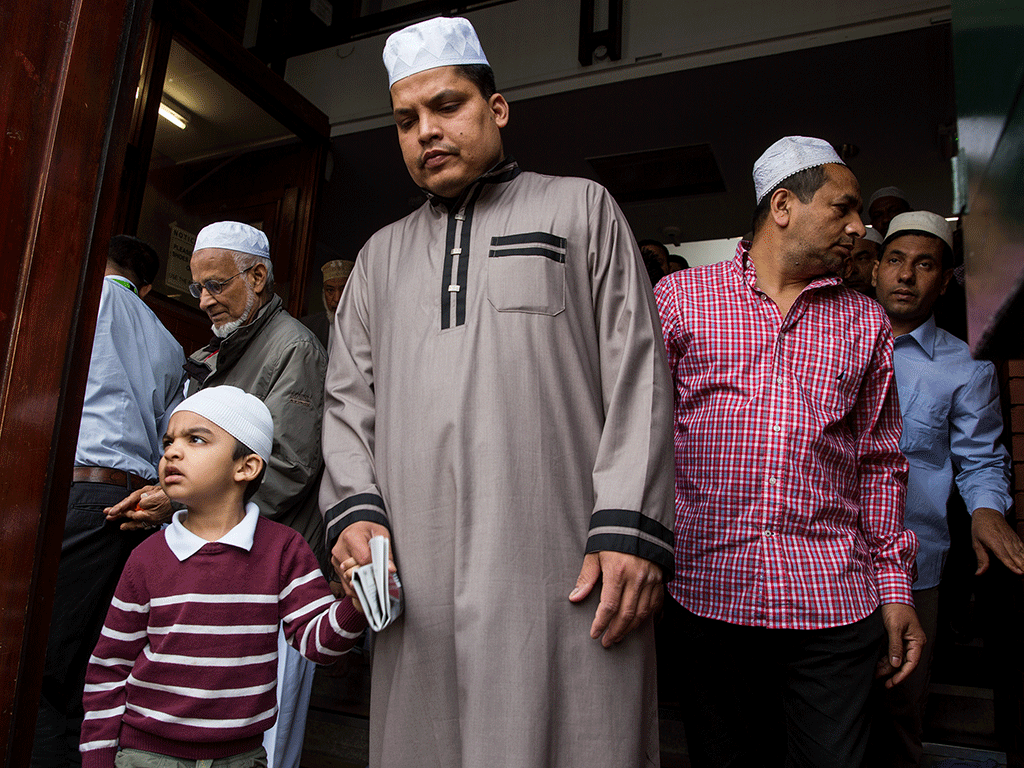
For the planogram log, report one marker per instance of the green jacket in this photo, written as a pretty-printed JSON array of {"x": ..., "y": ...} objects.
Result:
[{"x": 280, "y": 361}]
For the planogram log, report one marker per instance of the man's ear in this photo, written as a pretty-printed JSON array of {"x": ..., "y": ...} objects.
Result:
[
  {"x": 874, "y": 272},
  {"x": 144, "y": 290},
  {"x": 499, "y": 108},
  {"x": 779, "y": 206},
  {"x": 259, "y": 276},
  {"x": 248, "y": 468}
]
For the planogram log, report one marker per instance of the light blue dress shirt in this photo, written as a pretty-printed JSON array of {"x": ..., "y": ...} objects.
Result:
[
  {"x": 952, "y": 424},
  {"x": 135, "y": 381}
]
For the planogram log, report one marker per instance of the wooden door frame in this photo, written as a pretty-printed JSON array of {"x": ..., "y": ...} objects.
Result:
[{"x": 67, "y": 97}]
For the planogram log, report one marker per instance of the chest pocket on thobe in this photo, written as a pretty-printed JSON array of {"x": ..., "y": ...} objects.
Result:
[{"x": 526, "y": 273}]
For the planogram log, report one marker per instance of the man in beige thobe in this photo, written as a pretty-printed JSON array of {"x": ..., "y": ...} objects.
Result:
[{"x": 498, "y": 404}]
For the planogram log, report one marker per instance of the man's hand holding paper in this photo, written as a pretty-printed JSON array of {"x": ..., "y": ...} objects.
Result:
[
  {"x": 353, "y": 548},
  {"x": 378, "y": 592}
]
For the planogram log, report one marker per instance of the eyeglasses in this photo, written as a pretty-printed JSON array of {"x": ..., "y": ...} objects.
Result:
[{"x": 213, "y": 286}]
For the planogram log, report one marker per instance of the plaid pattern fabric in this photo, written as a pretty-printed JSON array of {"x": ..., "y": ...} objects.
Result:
[{"x": 790, "y": 485}]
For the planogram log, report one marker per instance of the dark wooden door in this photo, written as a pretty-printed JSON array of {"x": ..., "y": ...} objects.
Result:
[{"x": 67, "y": 83}]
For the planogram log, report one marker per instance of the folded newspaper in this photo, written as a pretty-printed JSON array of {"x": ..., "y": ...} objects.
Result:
[{"x": 379, "y": 592}]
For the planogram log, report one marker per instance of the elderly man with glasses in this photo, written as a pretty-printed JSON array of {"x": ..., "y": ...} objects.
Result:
[{"x": 263, "y": 350}]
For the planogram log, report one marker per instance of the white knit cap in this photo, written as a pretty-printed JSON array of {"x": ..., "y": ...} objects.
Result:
[
  {"x": 241, "y": 415},
  {"x": 233, "y": 236},
  {"x": 787, "y": 156},
  {"x": 440, "y": 42},
  {"x": 873, "y": 235},
  {"x": 915, "y": 222},
  {"x": 888, "y": 192}
]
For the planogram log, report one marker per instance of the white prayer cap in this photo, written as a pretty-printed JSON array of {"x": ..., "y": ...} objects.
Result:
[
  {"x": 872, "y": 234},
  {"x": 233, "y": 236},
  {"x": 787, "y": 156},
  {"x": 440, "y": 42},
  {"x": 888, "y": 192},
  {"x": 243, "y": 416},
  {"x": 917, "y": 222},
  {"x": 338, "y": 268}
]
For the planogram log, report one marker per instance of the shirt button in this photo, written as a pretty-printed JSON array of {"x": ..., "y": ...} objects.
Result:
[
  {"x": 778, "y": 380},
  {"x": 777, "y": 428},
  {"x": 769, "y": 533},
  {"x": 771, "y": 481}
]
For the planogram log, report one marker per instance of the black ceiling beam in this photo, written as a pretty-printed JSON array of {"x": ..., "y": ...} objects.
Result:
[{"x": 609, "y": 38}]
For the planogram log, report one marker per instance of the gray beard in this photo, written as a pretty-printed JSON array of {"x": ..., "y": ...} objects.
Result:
[{"x": 225, "y": 330}]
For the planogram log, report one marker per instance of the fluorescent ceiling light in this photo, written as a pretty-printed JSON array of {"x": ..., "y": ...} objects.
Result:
[{"x": 173, "y": 116}]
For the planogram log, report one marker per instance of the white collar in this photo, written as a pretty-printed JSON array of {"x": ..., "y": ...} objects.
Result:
[{"x": 183, "y": 543}]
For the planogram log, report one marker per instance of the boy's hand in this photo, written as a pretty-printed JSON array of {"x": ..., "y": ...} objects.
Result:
[{"x": 347, "y": 582}]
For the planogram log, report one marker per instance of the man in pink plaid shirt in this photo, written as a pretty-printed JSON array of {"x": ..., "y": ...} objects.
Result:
[{"x": 793, "y": 565}]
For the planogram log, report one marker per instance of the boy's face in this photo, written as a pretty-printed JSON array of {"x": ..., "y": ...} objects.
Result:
[{"x": 197, "y": 466}]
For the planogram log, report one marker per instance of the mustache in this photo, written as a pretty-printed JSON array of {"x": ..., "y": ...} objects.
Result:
[{"x": 448, "y": 149}]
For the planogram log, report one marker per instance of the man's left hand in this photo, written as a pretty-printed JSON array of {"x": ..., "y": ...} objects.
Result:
[
  {"x": 631, "y": 590},
  {"x": 991, "y": 533},
  {"x": 143, "y": 509},
  {"x": 905, "y": 641}
]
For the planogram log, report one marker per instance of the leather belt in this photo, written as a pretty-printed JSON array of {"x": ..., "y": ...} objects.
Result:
[{"x": 118, "y": 477}]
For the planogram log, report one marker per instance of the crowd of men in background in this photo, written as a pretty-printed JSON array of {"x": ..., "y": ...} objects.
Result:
[
  {"x": 547, "y": 442},
  {"x": 951, "y": 437}
]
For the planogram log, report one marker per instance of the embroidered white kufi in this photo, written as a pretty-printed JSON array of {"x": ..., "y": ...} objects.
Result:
[
  {"x": 787, "y": 156},
  {"x": 440, "y": 42}
]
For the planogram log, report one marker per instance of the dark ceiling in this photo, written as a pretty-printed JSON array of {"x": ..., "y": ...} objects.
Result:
[
  {"x": 287, "y": 28},
  {"x": 890, "y": 96}
]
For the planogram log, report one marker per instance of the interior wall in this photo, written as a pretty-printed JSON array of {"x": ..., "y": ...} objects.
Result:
[{"x": 539, "y": 56}]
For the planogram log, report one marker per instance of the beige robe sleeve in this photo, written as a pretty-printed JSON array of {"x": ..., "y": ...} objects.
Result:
[
  {"x": 634, "y": 508},
  {"x": 349, "y": 491}
]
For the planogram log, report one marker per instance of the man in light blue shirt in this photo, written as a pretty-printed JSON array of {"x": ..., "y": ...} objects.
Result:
[
  {"x": 952, "y": 424},
  {"x": 135, "y": 381}
]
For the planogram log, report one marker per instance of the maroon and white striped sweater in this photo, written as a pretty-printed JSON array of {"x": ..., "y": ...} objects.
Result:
[{"x": 186, "y": 665}]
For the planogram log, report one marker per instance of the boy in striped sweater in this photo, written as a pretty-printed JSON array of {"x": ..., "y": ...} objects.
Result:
[{"x": 186, "y": 665}]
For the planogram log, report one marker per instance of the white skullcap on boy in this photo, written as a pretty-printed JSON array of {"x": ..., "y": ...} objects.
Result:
[
  {"x": 917, "y": 222},
  {"x": 440, "y": 42},
  {"x": 243, "y": 416},
  {"x": 787, "y": 156},
  {"x": 233, "y": 236}
]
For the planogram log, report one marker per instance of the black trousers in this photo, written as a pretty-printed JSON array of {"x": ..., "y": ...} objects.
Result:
[
  {"x": 897, "y": 728},
  {"x": 92, "y": 557},
  {"x": 775, "y": 697}
]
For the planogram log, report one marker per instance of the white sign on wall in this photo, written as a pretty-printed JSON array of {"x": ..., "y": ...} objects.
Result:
[{"x": 178, "y": 273}]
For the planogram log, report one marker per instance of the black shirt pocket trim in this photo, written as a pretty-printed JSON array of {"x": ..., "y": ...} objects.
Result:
[{"x": 519, "y": 281}]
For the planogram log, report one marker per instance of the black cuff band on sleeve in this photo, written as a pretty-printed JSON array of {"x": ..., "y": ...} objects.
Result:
[
  {"x": 631, "y": 532},
  {"x": 363, "y": 507}
]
